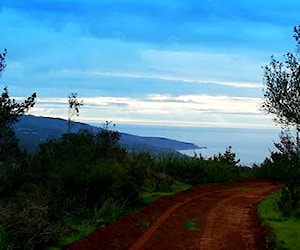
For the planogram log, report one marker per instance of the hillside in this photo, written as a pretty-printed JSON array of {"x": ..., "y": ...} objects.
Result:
[{"x": 32, "y": 130}]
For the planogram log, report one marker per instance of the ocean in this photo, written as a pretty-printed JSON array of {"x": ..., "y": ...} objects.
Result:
[{"x": 250, "y": 145}]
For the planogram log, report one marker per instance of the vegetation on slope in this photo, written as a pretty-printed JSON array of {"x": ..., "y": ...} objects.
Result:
[{"x": 85, "y": 180}]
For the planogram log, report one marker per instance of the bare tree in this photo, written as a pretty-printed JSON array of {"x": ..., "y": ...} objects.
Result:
[{"x": 73, "y": 110}]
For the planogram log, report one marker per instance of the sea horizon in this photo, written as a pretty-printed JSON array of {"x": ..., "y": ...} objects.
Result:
[{"x": 251, "y": 145}]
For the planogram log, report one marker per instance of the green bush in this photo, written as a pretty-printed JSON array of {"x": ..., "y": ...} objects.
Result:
[
  {"x": 182, "y": 168},
  {"x": 281, "y": 167},
  {"x": 285, "y": 202},
  {"x": 276, "y": 167},
  {"x": 138, "y": 167},
  {"x": 289, "y": 202},
  {"x": 220, "y": 172},
  {"x": 196, "y": 170}
]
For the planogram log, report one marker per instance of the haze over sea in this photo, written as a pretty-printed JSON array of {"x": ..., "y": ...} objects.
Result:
[{"x": 250, "y": 145}]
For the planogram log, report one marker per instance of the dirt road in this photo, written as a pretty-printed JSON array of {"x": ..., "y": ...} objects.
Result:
[{"x": 211, "y": 216}]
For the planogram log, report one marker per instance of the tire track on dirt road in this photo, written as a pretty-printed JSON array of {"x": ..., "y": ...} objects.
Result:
[
  {"x": 221, "y": 232},
  {"x": 138, "y": 245},
  {"x": 221, "y": 200},
  {"x": 224, "y": 217}
]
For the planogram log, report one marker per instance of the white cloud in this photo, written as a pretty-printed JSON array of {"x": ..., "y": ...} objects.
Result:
[
  {"x": 208, "y": 66},
  {"x": 214, "y": 103},
  {"x": 182, "y": 110},
  {"x": 160, "y": 76}
]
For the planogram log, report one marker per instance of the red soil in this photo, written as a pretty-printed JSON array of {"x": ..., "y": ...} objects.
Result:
[{"x": 223, "y": 215}]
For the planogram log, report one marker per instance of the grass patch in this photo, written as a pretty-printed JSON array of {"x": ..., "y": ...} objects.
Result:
[
  {"x": 144, "y": 223},
  {"x": 79, "y": 232},
  {"x": 148, "y": 196},
  {"x": 191, "y": 224},
  {"x": 108, "y": 213},
  {"x": 286, "y": 230}
]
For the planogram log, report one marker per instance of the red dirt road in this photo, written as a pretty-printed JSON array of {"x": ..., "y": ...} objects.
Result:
[{"x": 211, "y": 216}]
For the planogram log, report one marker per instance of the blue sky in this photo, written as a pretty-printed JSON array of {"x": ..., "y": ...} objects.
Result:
[{"x": 169, "y": 62}]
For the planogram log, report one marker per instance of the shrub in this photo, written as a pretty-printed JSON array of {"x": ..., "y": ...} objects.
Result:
[
  {"x": 196, "y": 170},
  {"x": 217, "y": 171},
  {"x": 26, "y": 224},
  {"x": 109, "y": 211},
  {"x": 289, "y": 202},
  {"x": 276, "y": 167},
  {"x": 285, "y": 202},
  {"x": 138, "y": 167},
  {"x": 282, "y": 167}
]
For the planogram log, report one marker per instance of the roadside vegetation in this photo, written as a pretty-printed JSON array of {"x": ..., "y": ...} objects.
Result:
[{"x": 286, "y": 229}]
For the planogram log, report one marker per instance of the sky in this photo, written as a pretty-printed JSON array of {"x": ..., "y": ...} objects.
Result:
[{"x": 169, "y": 62}]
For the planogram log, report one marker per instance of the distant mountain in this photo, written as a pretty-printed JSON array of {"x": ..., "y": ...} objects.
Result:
[{"x": 33, "y": 130}]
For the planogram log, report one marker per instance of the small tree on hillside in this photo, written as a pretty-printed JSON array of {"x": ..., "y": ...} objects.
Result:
[
  {"x": 10, "y": 112},
  {"x": 228, "y": 157}
]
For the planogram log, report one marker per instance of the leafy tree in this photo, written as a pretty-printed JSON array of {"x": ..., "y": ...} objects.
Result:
[
  {"x": 74, "y": 106},
  {"x": 282, "y": 99},
  {"x": 282, "y": 96},
  {"x": 10, "y": 112},
  {"x": 282, "y": 87}
]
